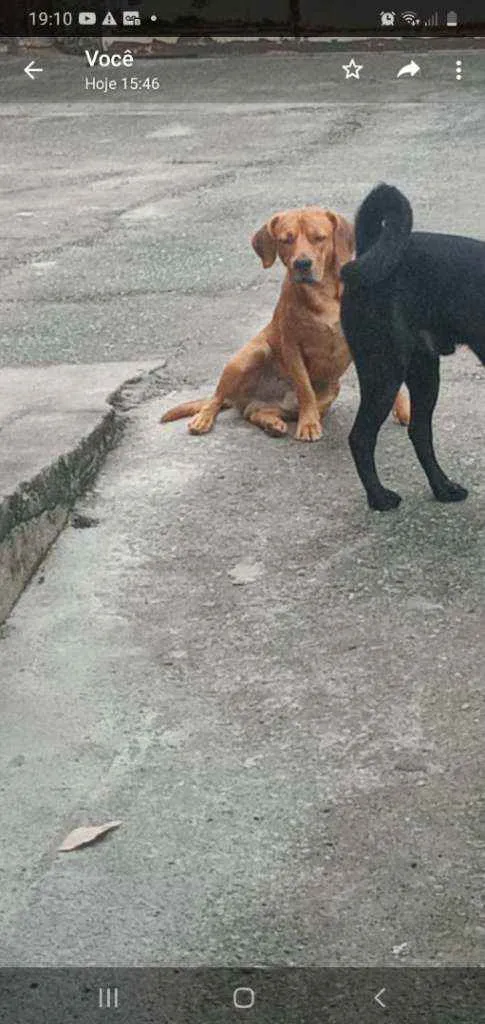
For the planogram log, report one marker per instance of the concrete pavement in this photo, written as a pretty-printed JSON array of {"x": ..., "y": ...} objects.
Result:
[
  {"x": 56, "y": 425},
  {"x": 295, "y": 759}
]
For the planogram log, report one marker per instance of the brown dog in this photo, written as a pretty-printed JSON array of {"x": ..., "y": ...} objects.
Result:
[{"x": 292, "y": 368}]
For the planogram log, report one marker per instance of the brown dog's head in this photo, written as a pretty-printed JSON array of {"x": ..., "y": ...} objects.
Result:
[{"x": 311, "y": 243}]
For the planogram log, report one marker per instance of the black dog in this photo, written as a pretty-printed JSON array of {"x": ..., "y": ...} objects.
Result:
[{"x": 409, "y": 297}]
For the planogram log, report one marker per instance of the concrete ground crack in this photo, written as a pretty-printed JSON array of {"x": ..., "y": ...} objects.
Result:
[{"x": 64, "y": 442}]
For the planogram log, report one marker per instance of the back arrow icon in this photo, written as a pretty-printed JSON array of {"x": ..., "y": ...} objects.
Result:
[
  {"x": 377, "y": 998},
  {"x": 31, "y": 71}
]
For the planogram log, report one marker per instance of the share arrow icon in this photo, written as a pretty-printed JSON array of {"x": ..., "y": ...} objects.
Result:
[{"x": 409, "y": 69}]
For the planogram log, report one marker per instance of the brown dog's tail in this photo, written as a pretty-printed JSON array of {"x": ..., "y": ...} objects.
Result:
[{"x": 187, "y": 409}]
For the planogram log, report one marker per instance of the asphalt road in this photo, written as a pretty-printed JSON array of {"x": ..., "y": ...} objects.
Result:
[
  {"x": 297, "y": 760},
  {"x": 124, "y": 220}
]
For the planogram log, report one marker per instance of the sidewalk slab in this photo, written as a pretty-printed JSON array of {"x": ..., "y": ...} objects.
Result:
[
  {"x": 276, "y": 690},
  {"x": 56, "y": 424}
]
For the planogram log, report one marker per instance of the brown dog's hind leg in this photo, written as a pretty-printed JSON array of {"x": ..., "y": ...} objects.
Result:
[
  {"x": 268, "y": 417},
  {"x": 204, "y": 420},
  {"x": 401, "y": 410},
  {"x": 238, "y": 381},
  {"x": 272, "y": 418}
]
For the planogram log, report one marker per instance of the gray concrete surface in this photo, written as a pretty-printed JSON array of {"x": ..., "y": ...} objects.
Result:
[
  {"x": 297, "y": 760},
  {"x": 56, "y": 425}
]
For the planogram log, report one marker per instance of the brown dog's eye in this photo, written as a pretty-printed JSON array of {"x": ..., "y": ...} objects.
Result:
[
  {"x": 320, "y": 238},
  {"x": 288, "y": 240}
]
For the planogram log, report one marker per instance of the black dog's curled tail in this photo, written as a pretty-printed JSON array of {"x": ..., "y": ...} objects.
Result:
[{"x": 382, "y": 229}]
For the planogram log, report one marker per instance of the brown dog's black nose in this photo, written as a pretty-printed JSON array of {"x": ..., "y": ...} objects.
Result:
[{"x": 303, "y": 265}]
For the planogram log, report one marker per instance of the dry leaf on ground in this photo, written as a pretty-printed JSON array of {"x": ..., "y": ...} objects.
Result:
[{"x": 86, "y": 834}]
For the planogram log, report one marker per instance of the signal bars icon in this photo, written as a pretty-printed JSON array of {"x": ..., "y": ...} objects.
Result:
[{"x": 433, "y": 21}]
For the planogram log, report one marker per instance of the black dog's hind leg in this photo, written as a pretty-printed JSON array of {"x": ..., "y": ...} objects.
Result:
[
  {"x": 378, "y": 392},
  {"x": 423, "y": 380}
]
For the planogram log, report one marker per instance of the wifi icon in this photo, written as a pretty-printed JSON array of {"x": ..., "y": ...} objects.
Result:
[{"x": 410, "y": 18}]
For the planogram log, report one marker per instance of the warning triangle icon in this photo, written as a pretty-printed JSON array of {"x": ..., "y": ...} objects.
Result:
[{"x": 109, "y": 20}]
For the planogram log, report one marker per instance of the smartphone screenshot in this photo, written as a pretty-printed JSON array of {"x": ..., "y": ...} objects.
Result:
[{"x": 242, "y": 266}]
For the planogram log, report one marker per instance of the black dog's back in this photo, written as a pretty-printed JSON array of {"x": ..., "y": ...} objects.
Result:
[
  {"x": 439, "y": 278},
  {"x": 441, "y": 281}
]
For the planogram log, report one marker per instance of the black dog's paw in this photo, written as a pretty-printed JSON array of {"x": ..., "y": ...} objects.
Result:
[
  {"x": 384, "y": 500},
  {"x": 451, "y": 492}
]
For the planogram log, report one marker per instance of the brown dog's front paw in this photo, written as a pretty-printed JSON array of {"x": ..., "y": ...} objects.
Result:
[
  {"x": 200, "y": 424},
  {"x": 308, "y": 430}
]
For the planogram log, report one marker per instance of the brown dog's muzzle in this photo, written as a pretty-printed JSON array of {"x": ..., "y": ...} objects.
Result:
[
  {"x": 302, "y": 270},
  {"x": 303, "y": 265}
]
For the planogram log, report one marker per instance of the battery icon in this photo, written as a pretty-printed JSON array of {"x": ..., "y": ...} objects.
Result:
[{"x": 452, "y": 19}]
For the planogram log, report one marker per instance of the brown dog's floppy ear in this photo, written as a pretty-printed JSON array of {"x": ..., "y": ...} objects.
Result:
[
  {"x": 264, "y": 244},
  {"x": 343, "y": 240}
]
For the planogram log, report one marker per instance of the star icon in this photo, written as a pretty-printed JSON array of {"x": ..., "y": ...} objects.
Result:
[{"x": 352, "y": 69}]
